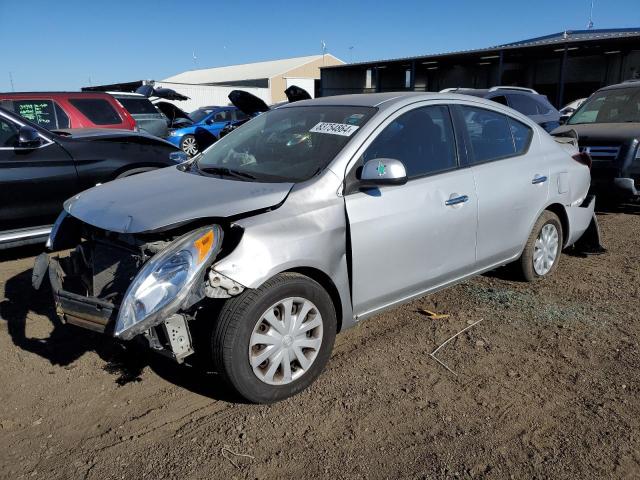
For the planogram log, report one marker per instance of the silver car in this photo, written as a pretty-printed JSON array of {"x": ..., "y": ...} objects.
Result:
[{"x": 309, "y": 219}]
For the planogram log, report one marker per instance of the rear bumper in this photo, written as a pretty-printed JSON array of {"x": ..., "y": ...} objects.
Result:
[{"x": 579, "y": 219}]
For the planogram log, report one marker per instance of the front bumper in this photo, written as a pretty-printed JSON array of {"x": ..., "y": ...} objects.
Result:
[
  {"x": 171, "y": 337},
  {"x": 87, "y": 312}
]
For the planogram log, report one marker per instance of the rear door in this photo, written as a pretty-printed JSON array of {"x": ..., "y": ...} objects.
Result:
[
  {"x": 512, "y": 180},
  {"x": 410, "y": 238},
  {"x": 34, "y": 182}
]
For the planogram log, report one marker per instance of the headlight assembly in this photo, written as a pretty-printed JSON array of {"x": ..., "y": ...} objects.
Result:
[{"x": 163, "y": 283}]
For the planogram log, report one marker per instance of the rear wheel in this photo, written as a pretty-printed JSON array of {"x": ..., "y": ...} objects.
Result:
[
  {"x": 272, "y": 342},
  {"x": 542, "y": 253},
  {"x": 189, "y": 145}
]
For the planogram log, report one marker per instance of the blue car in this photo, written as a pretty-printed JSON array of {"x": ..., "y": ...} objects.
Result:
[{"x": 213, "y": 119}]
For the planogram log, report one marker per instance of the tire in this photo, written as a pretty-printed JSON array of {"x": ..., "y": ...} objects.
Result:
[
  {"x": 189, "y": 145},
  {"x": 242, "y": 319},
  {"x": 534, "y": 262}
]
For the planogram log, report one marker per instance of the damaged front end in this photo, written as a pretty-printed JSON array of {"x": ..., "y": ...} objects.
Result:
[{"x": 128, "y": 285}]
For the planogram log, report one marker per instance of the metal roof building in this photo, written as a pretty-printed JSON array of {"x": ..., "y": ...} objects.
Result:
[
  {"x": 274, "y": 75},
  {"x": 564, "y": 66}
]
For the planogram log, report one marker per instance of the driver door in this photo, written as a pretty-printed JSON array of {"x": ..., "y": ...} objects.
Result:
[
  {"x": 409, "y": 239},
  {"x": 34, "y": 182}
]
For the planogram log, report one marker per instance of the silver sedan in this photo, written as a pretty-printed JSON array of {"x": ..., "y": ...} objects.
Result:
[{"x": 309, "y": 219}]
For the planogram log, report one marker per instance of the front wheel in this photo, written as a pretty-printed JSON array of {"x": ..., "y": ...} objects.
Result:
[
  {"x": 189, "y": 145},
  {"x": 542, "y": 251},
  {"x": 272, "y": 342}
]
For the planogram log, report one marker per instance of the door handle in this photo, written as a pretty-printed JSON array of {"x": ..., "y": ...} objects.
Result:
[
  {"x": 539, "y": 179},
  {"x": 456, "y": 200}
]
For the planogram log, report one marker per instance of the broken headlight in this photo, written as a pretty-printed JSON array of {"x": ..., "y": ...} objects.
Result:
[{"x": 164, "y": 282}]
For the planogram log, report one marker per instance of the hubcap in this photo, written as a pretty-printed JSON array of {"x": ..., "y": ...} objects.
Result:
[
  {"x": 545, "y": 249},
  {"x": 190, "y": 146},
  {"x": 285, "y": 341}
]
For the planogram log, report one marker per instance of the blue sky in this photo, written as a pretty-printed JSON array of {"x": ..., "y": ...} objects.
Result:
[{"x": 63, "y": 45}]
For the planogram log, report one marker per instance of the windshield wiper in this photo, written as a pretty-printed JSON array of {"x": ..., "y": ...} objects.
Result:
[{"x": 228, "y": 172}]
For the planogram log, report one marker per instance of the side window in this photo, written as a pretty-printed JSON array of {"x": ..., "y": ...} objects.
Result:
[
  {"x": 501, "y": 99},
  {"x": 8, "y": 134},
  {"x": 97, "y": 110},
  {"x": 36, "y": 111},
  {"x": 223, "y": 116},
  {"x": 490, "y": 134},
  {"x": 523, "y": 104},
  {"x": 421, "y": 139},
  {"x": 63, "y": 119},
  {"x": 522, "y": 135}
]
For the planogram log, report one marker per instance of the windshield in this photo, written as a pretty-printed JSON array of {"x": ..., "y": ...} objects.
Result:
[
  {"x": 287, "y": 144},
  {"x": 198, "y": 115},
  {"x": 609, "y": 106}
]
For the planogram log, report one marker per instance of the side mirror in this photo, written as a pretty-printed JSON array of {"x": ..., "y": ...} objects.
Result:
[
  {"x": 383, "y": 171},
  {"x": 28, "y": 137},
  {"x": 563, "y": 120},
  {"x": 178, "y": 157}
]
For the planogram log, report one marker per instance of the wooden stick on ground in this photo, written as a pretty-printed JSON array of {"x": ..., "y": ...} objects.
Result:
[{"x": 433, "y": 354}]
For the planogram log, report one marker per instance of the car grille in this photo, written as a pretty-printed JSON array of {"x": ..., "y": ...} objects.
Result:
[{"x": 601, "y": 153}]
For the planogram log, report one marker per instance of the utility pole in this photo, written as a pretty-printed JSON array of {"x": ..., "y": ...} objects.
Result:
[
  {"x": 351, "y": 54},
  {"x": 11, "y": 80},
  {"x": 324, "y": 50},
  {"x": 590, "y": 24}
]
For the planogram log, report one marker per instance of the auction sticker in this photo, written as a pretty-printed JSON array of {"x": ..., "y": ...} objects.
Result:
[{"x": 343, "y": 129}]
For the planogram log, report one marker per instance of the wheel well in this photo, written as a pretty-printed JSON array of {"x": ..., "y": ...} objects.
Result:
[
  {"x": 325, "y": 281},
  {"x": 560, "y": 211}
]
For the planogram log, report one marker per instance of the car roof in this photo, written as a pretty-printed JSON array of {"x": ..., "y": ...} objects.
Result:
[
  {"x": 54, "y": 94},
  {"x": 127, "y": 94},
  {"x": 383, "y": 100},
  {"x": 626, "y": 84}
]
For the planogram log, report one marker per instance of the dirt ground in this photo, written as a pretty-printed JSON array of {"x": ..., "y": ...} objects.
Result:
[{"x": 546, "y": 386}]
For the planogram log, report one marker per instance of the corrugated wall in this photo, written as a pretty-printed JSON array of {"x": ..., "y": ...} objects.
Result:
[{"x": 202, "y": 95}]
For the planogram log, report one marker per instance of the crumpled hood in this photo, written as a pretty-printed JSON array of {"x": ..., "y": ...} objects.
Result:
[{"x": 170, "y": 197}]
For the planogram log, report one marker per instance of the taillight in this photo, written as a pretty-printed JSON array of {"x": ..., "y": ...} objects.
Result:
[
  {"x": 584, "y": 158},
  {"x": 127, "y": 117}
]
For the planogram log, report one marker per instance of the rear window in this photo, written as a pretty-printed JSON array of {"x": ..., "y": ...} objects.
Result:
[
  {"x": 137, "y": 105},
  {"x": 523, "y": 104},
  {"x": 97, "y": 110}
]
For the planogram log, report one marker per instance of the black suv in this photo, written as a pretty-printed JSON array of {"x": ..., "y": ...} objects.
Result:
[
  {"x": 524, "y": 100},
  {"x": 40, "y": 169},
  {"x": 608, "y": 128}
]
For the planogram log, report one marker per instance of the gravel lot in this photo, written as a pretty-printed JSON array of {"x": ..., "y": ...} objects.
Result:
[{"x": 546, "y": 386}]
